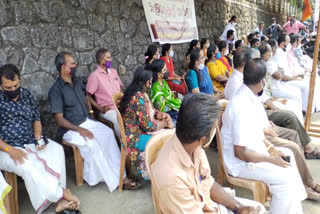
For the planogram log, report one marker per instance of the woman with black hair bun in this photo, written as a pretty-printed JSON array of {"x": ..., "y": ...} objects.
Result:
[
  {"x": 140, "y": 119},
  {"x": 151, "y": 54}
]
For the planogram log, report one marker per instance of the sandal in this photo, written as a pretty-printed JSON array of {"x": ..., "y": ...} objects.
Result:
[
  {"x": 131, "y": 185},
  {"x": 317, "y": 188},
  {"x": 315, "y": 154}
]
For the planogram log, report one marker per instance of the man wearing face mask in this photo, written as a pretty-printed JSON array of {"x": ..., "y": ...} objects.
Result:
[
  {"x": 97, "y": 144},
  {"x": 274, "y": 29},
  {"x": 25, "y": 152},
  {"x": 249, "y": 155},
  {"x": 230, "y": 26},
  {"x": 293, "y": 26},
  {"x": 182, "y": 165},
  {"x": 102, "y": 84},
  {"x": 254, "y": 44}
]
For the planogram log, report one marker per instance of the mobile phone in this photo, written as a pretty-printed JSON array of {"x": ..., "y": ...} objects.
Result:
[
  {"x": 176, "y": 82},
  {"x": 43, "y": 141},
  {"x": 286, "y": 158}
]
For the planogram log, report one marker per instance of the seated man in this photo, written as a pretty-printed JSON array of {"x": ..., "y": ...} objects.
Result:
[
  {"x": 181, "y": 173},
  {"x": 102, "y": 84},
  {"x": 42, "y": 166},
  {"x": 96, "y": 141},
  {"x": 249, "y": 155}
]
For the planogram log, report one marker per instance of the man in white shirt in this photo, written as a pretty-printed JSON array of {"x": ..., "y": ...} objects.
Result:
[
  {"x": 288, "y": 77},
  {"x": 249, "y": 155},
  {"x": 230, "y": 26}
]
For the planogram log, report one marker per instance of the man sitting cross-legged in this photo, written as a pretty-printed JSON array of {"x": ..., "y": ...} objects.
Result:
[
  {"x": 181, "y": 173},
  {"x": 96, "y": 141},
  {"x": 42, "y": 166}
]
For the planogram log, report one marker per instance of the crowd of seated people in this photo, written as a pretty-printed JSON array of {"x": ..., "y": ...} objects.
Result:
[{"x": 264, "y": 79}]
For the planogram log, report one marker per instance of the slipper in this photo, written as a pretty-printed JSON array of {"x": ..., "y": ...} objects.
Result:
[
  {"x": 70, "y": 212},
  {"x": 315, "y": 154},
  {"x": 132, "y": 185}
]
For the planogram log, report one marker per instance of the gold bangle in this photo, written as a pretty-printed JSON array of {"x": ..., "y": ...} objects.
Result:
[
  {"x": 6, "y": 149},
  {"x": 269, "y": 147},
  {"x": 91, "y": 112}
]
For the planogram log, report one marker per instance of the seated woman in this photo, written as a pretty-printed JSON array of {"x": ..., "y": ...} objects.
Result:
[
  {"x": 216, "y": 68},
  {"x": 193, "y": 45},
  {"x": 224, "y": 50},
  {"x": 204, "y": 45},
  {"x": 151, "y": 54},
  {"x": 197, "y": 78},
  {"x": 140, "y": 119},
  {"x": 161, "y": 96},
  {"x": 175, "y": 81}
]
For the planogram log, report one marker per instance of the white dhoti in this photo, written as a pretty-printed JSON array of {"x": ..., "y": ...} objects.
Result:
[
  {"x": 101, "y": 154},
  {"x": 285, "y": 184},
  {"x": 5, "y": 188},
  {"x": 111, "y": 115},
  {"x": 44, "y": 173},
  {"x": 286, "y": 91},
  {"x": 292, "y": 106}
]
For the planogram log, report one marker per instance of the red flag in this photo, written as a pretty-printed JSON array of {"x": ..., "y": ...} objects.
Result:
[
  {"x": 307, "y": 10},
  {"x": 287, "y": 16}
]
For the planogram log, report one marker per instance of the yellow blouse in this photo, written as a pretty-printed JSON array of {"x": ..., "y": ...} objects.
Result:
[{"x": 216, "y": 69}]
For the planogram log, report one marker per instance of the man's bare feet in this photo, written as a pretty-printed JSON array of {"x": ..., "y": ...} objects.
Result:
[
  {"x": 64, "y": 205},
  {"x": 69, "y": 197}
]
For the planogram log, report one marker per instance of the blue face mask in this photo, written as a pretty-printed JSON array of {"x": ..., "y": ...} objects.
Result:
[
  {"x": 218, "y": 55},
  {"x": 257, "y": 48}
]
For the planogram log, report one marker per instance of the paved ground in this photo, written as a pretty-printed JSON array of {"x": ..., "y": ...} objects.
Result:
[{"x": 98, "y": 200}]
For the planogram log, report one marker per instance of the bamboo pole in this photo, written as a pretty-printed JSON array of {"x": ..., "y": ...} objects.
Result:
[{"x": 312, "y": 80}]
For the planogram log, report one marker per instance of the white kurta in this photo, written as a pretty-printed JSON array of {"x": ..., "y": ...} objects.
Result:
[
  {"x": 44, "y": 173},
  {"x": 101, "y": 154},
  {"x": 278, "y": 88},
  {"x": 243, "y": 124},
  {"x": 228, "y": 27},
  {"x": 233, "y": 84},
  {"x": 282, "y": 61}
]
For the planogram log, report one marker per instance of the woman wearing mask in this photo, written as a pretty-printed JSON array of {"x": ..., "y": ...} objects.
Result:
[
  {"x": 197, "y": 78},
  {"x": 216, "y": 69},
  {"x": 204, "y": 45},
  {"x": 161, "y": 95},
  {"x": 175, "y": 81},
  {"x": 224, "y": 50},
  {"x": 140, "y": 119},
  {"x": 151, "y": 54}
]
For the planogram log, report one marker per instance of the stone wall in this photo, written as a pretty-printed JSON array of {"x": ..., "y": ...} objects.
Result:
[{"x": 34, "y": 31}]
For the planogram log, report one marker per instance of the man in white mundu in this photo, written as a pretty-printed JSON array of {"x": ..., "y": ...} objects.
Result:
[
  {"x": 249, "y": 155},
  {"x": 23, "y": 150},
  {"x": 294, "y": 77},
  {"x": 95, "y": 141}
]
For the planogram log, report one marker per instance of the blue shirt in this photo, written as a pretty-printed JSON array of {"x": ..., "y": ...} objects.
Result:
[
  {"x": 17, "y": 118},
  {"x": 205, "y": 85}
]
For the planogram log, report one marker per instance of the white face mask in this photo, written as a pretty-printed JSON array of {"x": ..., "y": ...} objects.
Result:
[
  {"x": 273, "y": 24},
  {"x": 288, "y": 48},
  {"x": 201, "y": 66},
  {"x": 208, "y": 45},
  {"x": 234, "y": 24},
  {"x": 171, "y": 54},
  {"x": 158, "y": 56},
  {"x": 227, "y": 52}
]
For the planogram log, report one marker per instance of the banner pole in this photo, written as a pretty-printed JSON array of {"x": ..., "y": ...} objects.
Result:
[{"x": 312, "y": 80}]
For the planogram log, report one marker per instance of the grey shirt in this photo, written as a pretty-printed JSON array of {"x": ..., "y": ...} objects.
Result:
[{"x": 69, "y": 100}]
